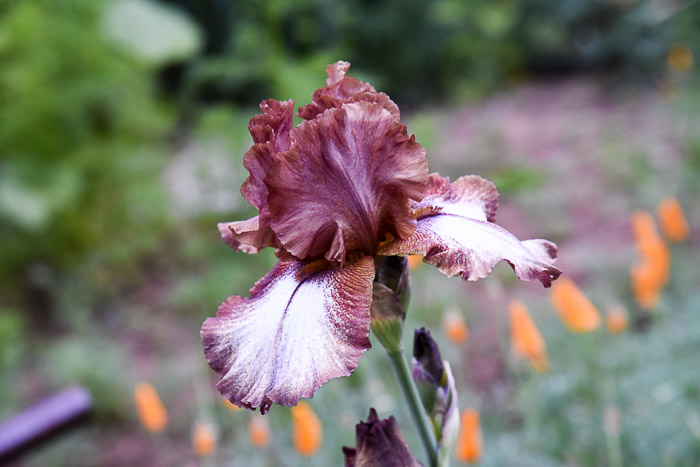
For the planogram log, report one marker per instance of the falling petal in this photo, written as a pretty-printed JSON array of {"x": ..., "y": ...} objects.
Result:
[
  {"x": 575, "y": 309},
  {"x": 149, "y": 407},
  {"x": 302, "y": 325},
  {"x": 456, "y": 234},
  {"x": 307, "y": 431}
]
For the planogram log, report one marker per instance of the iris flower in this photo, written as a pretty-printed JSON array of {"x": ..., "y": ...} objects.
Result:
[{"x": 347, "y": 185}]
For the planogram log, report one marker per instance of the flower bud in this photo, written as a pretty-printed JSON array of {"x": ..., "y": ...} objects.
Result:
[
  {"x": 387, "y": 317},
  {"x": 393, "y": 271},
  {"x": 433, "y": 377},
  {"x": 379, "y": 442}
]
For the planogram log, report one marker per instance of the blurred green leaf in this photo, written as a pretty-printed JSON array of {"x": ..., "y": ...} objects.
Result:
[{"x": 155, "y": 33}]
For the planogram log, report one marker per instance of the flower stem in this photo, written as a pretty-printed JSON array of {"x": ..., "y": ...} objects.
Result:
[{"x": 403, "y": 374}]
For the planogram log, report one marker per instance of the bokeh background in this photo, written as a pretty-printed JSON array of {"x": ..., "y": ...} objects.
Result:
[{"x": 122, "y": 129}]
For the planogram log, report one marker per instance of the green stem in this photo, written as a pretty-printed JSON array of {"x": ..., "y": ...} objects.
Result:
[{"x": 403, "y": 374}]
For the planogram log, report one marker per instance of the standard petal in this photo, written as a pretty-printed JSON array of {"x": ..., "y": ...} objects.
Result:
[
  {"x": 271, "y": 135},
  {"x": 343, "y": 89},
  {"x": 274, "y": 124},
  {"x": 247, "y": 236},
  {"x": 270, "y": 131},
  {"x": 347, "y": 183},
  {"x": 300, "y": 327},
  {"x": 455, "y": 234}
]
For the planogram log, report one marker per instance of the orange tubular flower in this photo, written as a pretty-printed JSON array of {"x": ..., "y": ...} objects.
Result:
[
  {"x": 455, "y": 327},
  {"x": 574, "y": 308},
  {"x": 672, "y": 220},
  {"x": 259, "y": 430},
  {"x": 526, "y": 339},
  {"x": 203, "y": 439},
  {"x": 307, "y": 430},
  {"x": 149, "y": 407},
  {"x": 616, "y": 320},
  {"x": 651, "y": 273},
  {"x": 645, "y": 285},
  {"x": 651, "y": 246},
  {"x": 470, "y": 443}
]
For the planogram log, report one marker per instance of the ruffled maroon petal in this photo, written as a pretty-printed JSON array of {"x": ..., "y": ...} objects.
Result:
[
  {"x": 455, "y": 234},
  {"x": 336, "y": 71},
  {"x": 341, "y": 90},
  {"x": 271, "y": 135},
  {"x": 300, "y": 327},
  {"x": 247, "y": 236},
  {"x": 347, "y": 182},
  {"x": 274, "y": 124}
]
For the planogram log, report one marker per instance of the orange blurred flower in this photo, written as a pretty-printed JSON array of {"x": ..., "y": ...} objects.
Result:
[
  {"x": 526, "y": 339},
  {"x": 574, "y": 308},
  {"x": 680, "y": 57},
  {"x": 259, "y": 430},
  {"x": 455, "y": 326},
  {"x": 203, "y": 438},
  {"x": 673, "y": 223},
  {"x": 414, "y": 262},
  {"x": 651, "y": 273},
  {"x": 230, "y": 405},
  {"x": 616, "y": 320},
  {"x": 645, "y": 285},
  {"x": 149, "y": 407},
  {"x": 470, "y": 443},
  {"x": 307, "y": 431}
]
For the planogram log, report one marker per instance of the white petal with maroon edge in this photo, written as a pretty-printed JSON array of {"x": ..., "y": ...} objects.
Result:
[
  {"x": 300, "y": 327},
  {"x": 456, "y": 234}
]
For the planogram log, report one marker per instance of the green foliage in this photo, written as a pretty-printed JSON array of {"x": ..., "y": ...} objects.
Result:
[
  {"x": 79, "y": 141},
  {"x": 420, "y": 51}
]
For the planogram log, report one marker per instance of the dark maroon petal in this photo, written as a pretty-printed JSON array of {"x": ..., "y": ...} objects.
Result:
[
  {"x": 427, "y": 362},
  {"x": 436, "y": 386},
  {"x": 379, "y": 444},
  {"x": 300, "y": 327},
  {"x": 343, "y": 89},
  {"x": 346, "y": 183},
  {"x": 455, "y": 233}
]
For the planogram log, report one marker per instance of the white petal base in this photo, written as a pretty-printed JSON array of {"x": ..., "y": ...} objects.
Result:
[{"x": 300, "y": 327}]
